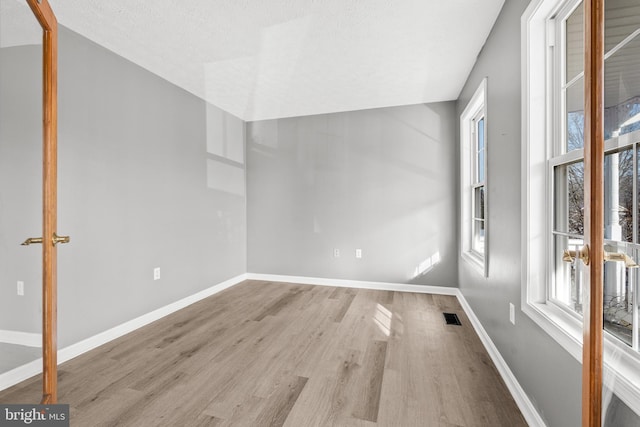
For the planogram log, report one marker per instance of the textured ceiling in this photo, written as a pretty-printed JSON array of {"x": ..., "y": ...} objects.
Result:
[
  {"x": 17, "y": 25},
  {"x": 280, "y": 58}
]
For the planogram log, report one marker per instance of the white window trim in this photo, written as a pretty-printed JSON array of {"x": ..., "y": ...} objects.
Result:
[
  {"x": 477, "y": 103},
  {"x": 622, "y": 366}
]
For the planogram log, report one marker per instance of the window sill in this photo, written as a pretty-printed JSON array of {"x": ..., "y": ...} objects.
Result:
[
  {"x": 621, "y": 364},
  {"x": 477, "y": 261}
]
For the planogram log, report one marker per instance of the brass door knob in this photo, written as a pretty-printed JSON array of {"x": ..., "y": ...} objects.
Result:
[
  {"x": 621, "y": 257},
  {"x": 60, "y": 239},
  {"x": 31, "y": 241},
  {"x": 582, "y": 253},
  {"x": 54, "y": 240}
]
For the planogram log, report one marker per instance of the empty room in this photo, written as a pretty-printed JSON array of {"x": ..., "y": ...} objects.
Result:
[{"x": 320, "y": 213}]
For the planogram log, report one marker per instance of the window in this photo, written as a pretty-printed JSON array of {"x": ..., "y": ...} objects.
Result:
[
  {"x": 553, "y": 178},
  {"x": 477, "y": 185},
  {"x": 473, "y": 132}
]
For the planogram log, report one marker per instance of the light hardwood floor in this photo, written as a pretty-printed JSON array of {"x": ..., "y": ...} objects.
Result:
[{"x": 272, "y": 354}]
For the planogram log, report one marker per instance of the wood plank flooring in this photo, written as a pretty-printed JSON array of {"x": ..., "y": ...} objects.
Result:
[{"x": 276, "y": 354}]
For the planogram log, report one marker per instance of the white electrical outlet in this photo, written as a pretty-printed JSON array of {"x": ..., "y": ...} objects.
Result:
[
  {"x": 336, "y": 253},
  {"x": 156, "y": 273},
  {"x": 20, "y": 288},
  {"x": 358, "y": 253},
  {"x": 512, "y": 314}
]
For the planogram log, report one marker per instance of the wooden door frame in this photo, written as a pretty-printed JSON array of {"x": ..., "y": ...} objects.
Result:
[
  {"x": 592, "y": 356},
  {"x": 45, "y": 16}
]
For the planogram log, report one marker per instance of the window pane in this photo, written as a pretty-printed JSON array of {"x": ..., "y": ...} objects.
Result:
[
  {"x": 575, "y": 43},
  {"x": 478, "y": 202},
  {"x": 481, "y": 134},
  {"x": 621, "y": 19},
  {"x": 477, "y": 243},
  {"x": 480, "y": 157},
  {"x": 622, "y": 90},
  {"x": 618, "y": 294},
  {"x": 568, "y": 276},
  {"x": 481, "y": 166},
  {"x": 637, "y": 210},
  {"x": 575, "y": 115},
  {"x": 478, "y": 236},
  {"x": 569, "y": 198},
  {"x": 618, "y": 196}
]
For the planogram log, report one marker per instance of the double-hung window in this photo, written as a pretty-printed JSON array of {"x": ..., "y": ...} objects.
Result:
[
  {"x": 553, "y": 177},
  {"x": 473, "y": 166},
  {"x": 477, "y": 185}
]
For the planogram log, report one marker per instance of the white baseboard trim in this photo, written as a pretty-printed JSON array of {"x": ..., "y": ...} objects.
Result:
[
  {"x": 20, "y": 374},
  {"x": 529, "y": 411},
  {"x": 24, "y": 372},
  {"x": 358, "y": 284},
  {"x": 28, "y": 339}
]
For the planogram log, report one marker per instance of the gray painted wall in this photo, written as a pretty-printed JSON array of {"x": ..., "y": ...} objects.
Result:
[
  {"x": 549, "y": 375},
  {"x": 140, "y": 162},
  {"x": 20, "y": 186},
  {"x": 379, "y": 180}
]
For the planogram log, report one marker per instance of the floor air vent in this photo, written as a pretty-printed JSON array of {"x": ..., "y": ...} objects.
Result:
[{"x": 451, "y": 318}]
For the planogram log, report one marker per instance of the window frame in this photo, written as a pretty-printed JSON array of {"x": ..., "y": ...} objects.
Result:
[
  {"x": 539, "y": 104},
  {"x": 477, "y": 183},
  {"x": 475, "y": 111},
  {"x": 558, "y": 154}
]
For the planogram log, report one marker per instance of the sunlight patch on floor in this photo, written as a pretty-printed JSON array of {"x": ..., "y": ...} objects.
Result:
[{"x": 382, "y": 318}]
